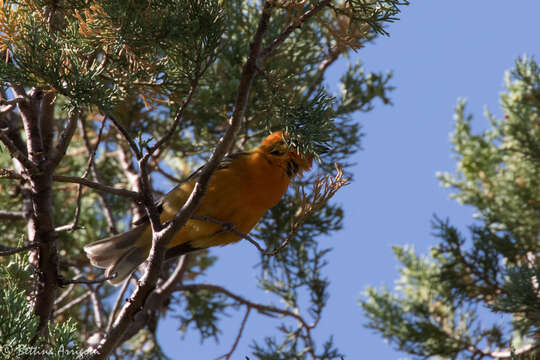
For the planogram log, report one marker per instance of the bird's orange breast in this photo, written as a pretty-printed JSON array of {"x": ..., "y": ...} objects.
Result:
[{"x": 239, "y": 194}]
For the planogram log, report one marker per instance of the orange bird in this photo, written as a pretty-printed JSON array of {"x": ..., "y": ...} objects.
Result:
[{"x": 241, "y": 190}]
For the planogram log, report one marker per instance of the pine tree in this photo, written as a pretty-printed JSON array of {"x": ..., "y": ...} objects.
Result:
[
  {"x": 441, "y": 304},
  {"x": 106, "y": 104}
]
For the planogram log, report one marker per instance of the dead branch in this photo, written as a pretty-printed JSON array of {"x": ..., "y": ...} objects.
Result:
[
  {"x": 263, "y": 309},
  {"x": 58, "y": 152},
  {"x": 63, "y": 282},
  {"x": 228, "y": 355},
  {"x": 94, "y": 185},
  {"x": 18, "y": 154},
  {"x": 7, "y": 251},
  {"x": 71, "y": 304},
  {"x": 11, "y": 215},
  {"x": 95, "y": 174}
]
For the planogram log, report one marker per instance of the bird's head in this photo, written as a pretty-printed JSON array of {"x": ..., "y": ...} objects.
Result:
[{"x": 276, "y": 149}]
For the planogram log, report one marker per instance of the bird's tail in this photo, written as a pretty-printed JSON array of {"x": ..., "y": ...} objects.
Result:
[{"x": 120, "y": 254}]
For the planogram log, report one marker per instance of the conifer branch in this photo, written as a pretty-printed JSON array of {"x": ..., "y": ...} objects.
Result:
[
  {"x": 228, "y": 355},
  {"x": 18, "y": 154},
  {"x": 7, "y": 251},
  {"x": 71, "y": 304},
  {"x": 11, "y": 215},
  {"x": 97, "y": 186},
  {"x": 263, "y": 309},
  {"x": 94, "y": 171},
  {"x": 58, "y": 152},
  {"x": 295, "y": 25},
  {"x": 160, "y": 239}
]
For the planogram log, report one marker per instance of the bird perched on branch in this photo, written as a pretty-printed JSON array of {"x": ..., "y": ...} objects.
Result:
[{"x": 242, "y": 189}]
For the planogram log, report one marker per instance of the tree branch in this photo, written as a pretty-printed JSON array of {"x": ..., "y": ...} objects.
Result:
[
  {"x": 11, "y": 215},
  {"x": 295, "y": 25},
  {"x": 126, "y": 135},
  {"x": 58, "y": 152},
  {"x": 264, "y": 309},
  {"x": 228, "y": 355},
  {"x": 95, "y": 174},
  {"x": 71, "y": 304},
  {"x": 94, "y": 185},
  {"x": 161, "y": 238},
  {"x": 18, "y": 154},
  {"x": 11, "y": 251}
]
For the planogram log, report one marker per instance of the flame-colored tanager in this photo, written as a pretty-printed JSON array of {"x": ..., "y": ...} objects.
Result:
[{"x": 241, "y": 190}]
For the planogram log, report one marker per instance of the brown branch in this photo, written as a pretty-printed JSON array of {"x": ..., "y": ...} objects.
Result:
[
  {"x": 18, "y": 154},
  {"x": 160, "y": 239},
  {"x": 71, "y": 304},
  {"x": 29, "y": 109},
  {"x": 509, "y": 354},
  {"x": 63, "y": 282},
  {"x": 123, "y": 156},
  {"x": 75, "y": 224},
  {"x": 167, "y": 175},
  {"x": 97, "y": 307},
  {"x": 178, "y": 118},
  {"x": 10, "y": 104},
  {"x": 14, "y": 101},
  {"x": 10, "y": 174},
  {"x": 228, "y": 355},
  {"x": 11, "y": 215},
  {"x": 94, "y": 185},
  {"x": 64, "y": 295},
  {"x": 126, "y": 135},
  {"x": 154, "y": 303},
  {"x": 47, "y": 119},
  {"x": 263, "y": 309},
  {"x": 143, "y": 183},
  {"x": 295, "y": 25},
  {"x": 58, "y": 152},
  {"x": 229, "y": 227},
  {"x": 117, "y": 303},
  {"x": 95, "y": 174},
  {"x": 7, "y": 251}
]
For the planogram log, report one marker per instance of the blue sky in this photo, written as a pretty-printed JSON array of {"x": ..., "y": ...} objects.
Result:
[{"x": 439, "y": 51}]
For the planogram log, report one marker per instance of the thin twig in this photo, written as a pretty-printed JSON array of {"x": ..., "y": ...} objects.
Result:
[
  {"x": 58, "y": 152},
  {"x": 13, "y": 251},
  {"x": 97, "y": 307},
  {"x": 295, "y": 25},
  {"x": 95, "y": 174},
  {"x": 229, "y": 227},
  {"x": 17, "y": 154},
  {"x": 265, "y": 309},
  {"x": 10, "y": 174},
  {"x": 94, "y": 185},
  {"x": 117, "y": 303},
  {"x": 85, "y": 281},
  {"x": 11, "y": 215},
  {"x": 126, "y": 135},
  {"x": 228, "y": 355},
  {"x": 178, "y": 118},
  {"x": 74, "y": 224},
  {"x": 508, "y": 353},
  {"x": 14, "y": 101},
  {"x": 64, "y": 295},
  {"x": 71, "y": 304}
]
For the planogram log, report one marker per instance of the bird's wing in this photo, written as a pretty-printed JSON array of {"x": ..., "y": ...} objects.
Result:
[{"x": 182, "y": 191}]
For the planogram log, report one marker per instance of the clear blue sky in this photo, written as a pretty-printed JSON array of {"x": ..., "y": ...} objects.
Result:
[{"x": 439, "y": 51}]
